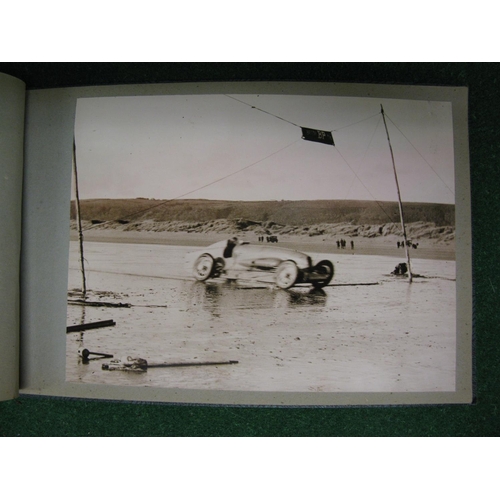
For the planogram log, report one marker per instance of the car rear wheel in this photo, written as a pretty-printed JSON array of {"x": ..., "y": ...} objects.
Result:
[
  {"x": 203, "y": 267},
  {"x": 325, "y": 267},
  {"x": 287, "y": 274}
]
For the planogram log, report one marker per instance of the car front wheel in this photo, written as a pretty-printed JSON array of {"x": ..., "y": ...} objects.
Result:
[
  {"x": 203, "y": 267},
  {"x": 287, "y": 274}
]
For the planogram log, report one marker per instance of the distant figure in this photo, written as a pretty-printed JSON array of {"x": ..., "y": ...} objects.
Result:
[
  {"x": 338, "y": 244},
  {"x": 352, "y": 245},
  {"x": 399, "y": 244}
]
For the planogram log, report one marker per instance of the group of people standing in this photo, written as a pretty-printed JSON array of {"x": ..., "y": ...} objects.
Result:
[
  {"x": 409, "y": 244},
  {"x": 343, "y": 243},
  {"x": 269, "y": 239}
]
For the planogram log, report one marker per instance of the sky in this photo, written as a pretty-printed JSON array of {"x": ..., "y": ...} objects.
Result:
[{"x": 249, "y": 147}]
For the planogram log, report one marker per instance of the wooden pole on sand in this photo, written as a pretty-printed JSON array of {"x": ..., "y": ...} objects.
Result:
[
  {"x": 399, "y": 198},
  {"x": 79, "y": 222}
]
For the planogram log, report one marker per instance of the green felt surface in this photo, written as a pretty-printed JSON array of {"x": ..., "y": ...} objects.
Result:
[{"x": 37, "y": 416}]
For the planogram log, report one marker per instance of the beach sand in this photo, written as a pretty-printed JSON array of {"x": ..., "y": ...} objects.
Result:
[{"x": 389, "y": 336}]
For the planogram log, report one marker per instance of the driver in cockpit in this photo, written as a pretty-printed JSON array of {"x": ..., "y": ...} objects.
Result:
[{"x": 228, "y": 250}]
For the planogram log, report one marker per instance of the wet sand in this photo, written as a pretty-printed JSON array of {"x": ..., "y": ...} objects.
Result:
[{"x": 382, "y": 336}]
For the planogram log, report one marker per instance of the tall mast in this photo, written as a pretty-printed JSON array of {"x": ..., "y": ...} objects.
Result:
[
  {"x": 399, "y": 198},
  {"x": 79, "y": 222}
]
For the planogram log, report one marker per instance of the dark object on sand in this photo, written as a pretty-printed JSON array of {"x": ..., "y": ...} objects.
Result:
[
  {"x": 90, "y": 326},
  {"x": 400, "y": 269},
  {"x": 137, "y": 365},
  {"x": 192, "y": 363},
  {"x": 140, "y": 365},
  {"x": 85, "y": 354},
  {"x": 81, "y": 302}
]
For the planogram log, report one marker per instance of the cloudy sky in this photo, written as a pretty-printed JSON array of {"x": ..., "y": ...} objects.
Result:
[{"x": 217, "y": 147}]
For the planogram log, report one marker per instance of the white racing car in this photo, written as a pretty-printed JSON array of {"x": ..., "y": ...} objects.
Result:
[{"x": 233, "y": 259}]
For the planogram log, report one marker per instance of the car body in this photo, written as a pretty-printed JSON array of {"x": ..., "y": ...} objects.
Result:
[{"x": 234, "y": 259}]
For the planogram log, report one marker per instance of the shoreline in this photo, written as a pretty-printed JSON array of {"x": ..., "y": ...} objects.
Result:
[{"x": 384, "y": 245}]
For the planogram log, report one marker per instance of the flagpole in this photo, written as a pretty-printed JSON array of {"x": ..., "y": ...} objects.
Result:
[
  {"x": 399, "y": 197},
  {"x": 79, "y": 222}
]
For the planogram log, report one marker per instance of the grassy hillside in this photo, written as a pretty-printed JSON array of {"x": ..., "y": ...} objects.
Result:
[{"x": 291, "y": 213}]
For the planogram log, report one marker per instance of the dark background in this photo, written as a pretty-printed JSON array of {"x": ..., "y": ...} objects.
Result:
[{"x": 39, "y": 416}]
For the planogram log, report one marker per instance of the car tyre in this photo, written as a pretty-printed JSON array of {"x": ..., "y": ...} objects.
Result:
[
  {"x": 326, "y": 267},
  {"x": 219, "y": 265},
  {"x": 203, "y": 267},
  {"x": 287, "y": 274}
]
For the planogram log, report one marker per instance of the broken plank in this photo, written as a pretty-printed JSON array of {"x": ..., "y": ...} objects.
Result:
[
  {"x": 80, "y": 302},
  {"x": 191, "y": 363},
  {"x": 90, "y": 326},
  {"x": 354, "y": 284}
]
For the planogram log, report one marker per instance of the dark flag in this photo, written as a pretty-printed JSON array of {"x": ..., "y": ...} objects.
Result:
[{"x": 311, "y": 134}]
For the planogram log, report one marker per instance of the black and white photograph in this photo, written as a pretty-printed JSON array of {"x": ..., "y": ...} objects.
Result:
[{"x": 264, "y": 243}]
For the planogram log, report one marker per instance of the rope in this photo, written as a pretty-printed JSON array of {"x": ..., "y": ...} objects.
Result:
[
  {"x": 263, "y": 111},
  {"x": 366, "y": 150},
  {"x": 421, "y": 156},
  {"x": 355, "y": 123},
  {"x": 197, "y": 189},
  {"x": 292, "y": 123},
  {"x": 378, "y": 203}
]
